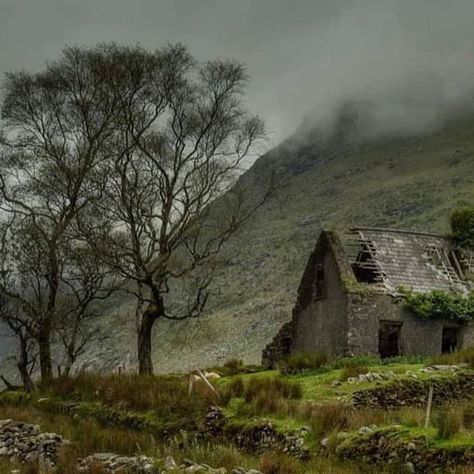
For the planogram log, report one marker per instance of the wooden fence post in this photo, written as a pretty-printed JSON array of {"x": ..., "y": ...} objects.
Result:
[{"x": 428, "y": 406}]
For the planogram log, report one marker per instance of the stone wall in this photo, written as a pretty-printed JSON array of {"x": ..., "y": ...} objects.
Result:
[
  {"x": 280, "y": 347},
  {"x": 417, "y": 337},
  {"x": 322, "y": 325}
]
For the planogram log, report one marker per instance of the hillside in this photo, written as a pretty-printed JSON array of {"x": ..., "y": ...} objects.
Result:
[
  {"x": 407, "y": 182},
  {"x": 321, "y": 181}
]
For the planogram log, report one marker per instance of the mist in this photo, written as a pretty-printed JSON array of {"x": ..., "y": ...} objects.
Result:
[
  {"x": 408, "y": 65},
  {"x": 410, "y": 62}
]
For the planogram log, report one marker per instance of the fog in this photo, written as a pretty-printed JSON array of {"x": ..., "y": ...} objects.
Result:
[{"x": 411, "y": 60}]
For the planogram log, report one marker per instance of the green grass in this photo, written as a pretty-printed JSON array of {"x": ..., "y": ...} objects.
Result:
[
  {"x": 106, "y": 406},
  {"x": 317, "y": 386}
]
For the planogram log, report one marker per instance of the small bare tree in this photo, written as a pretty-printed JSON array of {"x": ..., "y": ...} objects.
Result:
[
  {"x": 59, "y": 124},
  {"x": 169, "y": 201},
  {"x": 85, "y": 283}
]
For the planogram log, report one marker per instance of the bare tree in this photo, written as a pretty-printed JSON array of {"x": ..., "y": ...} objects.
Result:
[
  {"x": 169, "y": 201},
  {"x": 86, "y": 282},
  {"x": 20, "y": 294},
  {"x": 59, "y": 124}
]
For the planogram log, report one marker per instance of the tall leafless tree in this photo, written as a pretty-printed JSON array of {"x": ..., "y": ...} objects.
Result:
[
  {"x": 169, "y": 201},
  {"x": 58, "y": 125}
]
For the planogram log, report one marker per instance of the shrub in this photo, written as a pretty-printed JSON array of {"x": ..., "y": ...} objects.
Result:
[
  {"x": 329, "y": 417},
  {"x": 462, "y": 227},
  {"x": 358, "y": 360},
  {"x": 271, "y": 395},
  {"x": 440, "y": 304},
  {"x": 459, "y": 357},
  {"x": 448, "y": 422},
  {"x": 231, "y": 367},
  {"x": 278, "y": 463},
  {"x": 273, "y": 386},
  {"x": 233, "y": 389},
  {"x": 303, "y": 362},
  {"x": 352, "y": 371}
]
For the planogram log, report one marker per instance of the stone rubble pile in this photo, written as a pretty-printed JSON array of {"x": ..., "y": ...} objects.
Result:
[
  {"x": 115, "y": 464},
  {"x": 112, "y": 463},
  {"x": 445, "y": 368},
  {"x": 25, "y": 442},
  {"x": 260, "y": 437},
  {"x": 378, "y": 376},
  {"x": 215, "y": 421},
  {"x": 189, "y": 466},
  {"x": 371, "y": 377}
]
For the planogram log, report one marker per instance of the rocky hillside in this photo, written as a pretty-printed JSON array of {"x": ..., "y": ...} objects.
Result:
[
  {"x": 321, "y": 180},
  {"x": 407, "y": 182}
]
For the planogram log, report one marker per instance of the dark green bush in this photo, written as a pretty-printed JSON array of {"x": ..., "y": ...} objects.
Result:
[
  {"x": 303, "y": 362},
  {"x": 440, "y": 304},
  {"x": 462, "y": 227}
]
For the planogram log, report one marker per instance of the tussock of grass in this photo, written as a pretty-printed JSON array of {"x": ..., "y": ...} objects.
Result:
[
  {"x": 271, "y": 395},
  {"x": 278, "y": 463},
  {"x": 468, "y": 415},
  {"x": 329, "y": 417},
  {"x": 234, "y": 389},
  {"x": 463, "y": 356},
  {"x": 301, "y": 362},
  {"x": 448, "y": 422},
  {"x": 352, "y": 371}
]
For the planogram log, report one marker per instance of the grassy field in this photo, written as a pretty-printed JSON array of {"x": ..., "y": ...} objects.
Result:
[{"x": 128, "y": 414}]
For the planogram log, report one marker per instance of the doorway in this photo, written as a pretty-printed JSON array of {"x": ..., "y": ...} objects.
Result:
[
  {"x": 389, "y": 339},
  {"x": 449, "y": 341}
]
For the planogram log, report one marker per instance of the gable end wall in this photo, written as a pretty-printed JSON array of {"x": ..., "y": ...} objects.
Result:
[{"x": 322, "y": 324}]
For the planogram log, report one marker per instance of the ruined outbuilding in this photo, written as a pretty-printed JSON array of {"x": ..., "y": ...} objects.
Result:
[{"x": 349, "y": 301}]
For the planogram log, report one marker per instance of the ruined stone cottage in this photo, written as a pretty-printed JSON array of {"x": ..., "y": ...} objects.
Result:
[{"x": 349, "y": 301}]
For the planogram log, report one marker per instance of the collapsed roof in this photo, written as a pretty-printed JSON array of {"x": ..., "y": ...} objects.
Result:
[{"x": 391, "y": 259}]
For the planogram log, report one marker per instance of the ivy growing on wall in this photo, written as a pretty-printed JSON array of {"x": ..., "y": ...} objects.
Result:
[{"x": 440, "y": 304}]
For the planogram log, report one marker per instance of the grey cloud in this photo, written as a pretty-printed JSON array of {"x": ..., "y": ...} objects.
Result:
[{"x": 413, "y": 59}]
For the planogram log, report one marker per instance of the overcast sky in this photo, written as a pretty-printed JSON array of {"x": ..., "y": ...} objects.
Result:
[{"x": 304, "y": 56}]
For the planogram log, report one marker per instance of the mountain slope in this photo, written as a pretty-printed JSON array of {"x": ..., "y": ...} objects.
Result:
[
  {"x": 321, "y": 181},
  {"x": 407, "y": 182}
]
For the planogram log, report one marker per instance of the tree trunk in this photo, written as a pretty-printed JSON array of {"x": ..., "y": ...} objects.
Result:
[
  {"x": 145, "y": 330},
  {"x": 23, "y": 367},
  {"x": 44, "y": 346}
]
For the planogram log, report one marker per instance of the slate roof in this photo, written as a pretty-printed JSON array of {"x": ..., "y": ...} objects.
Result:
[{"x": 420, "y": 261}]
